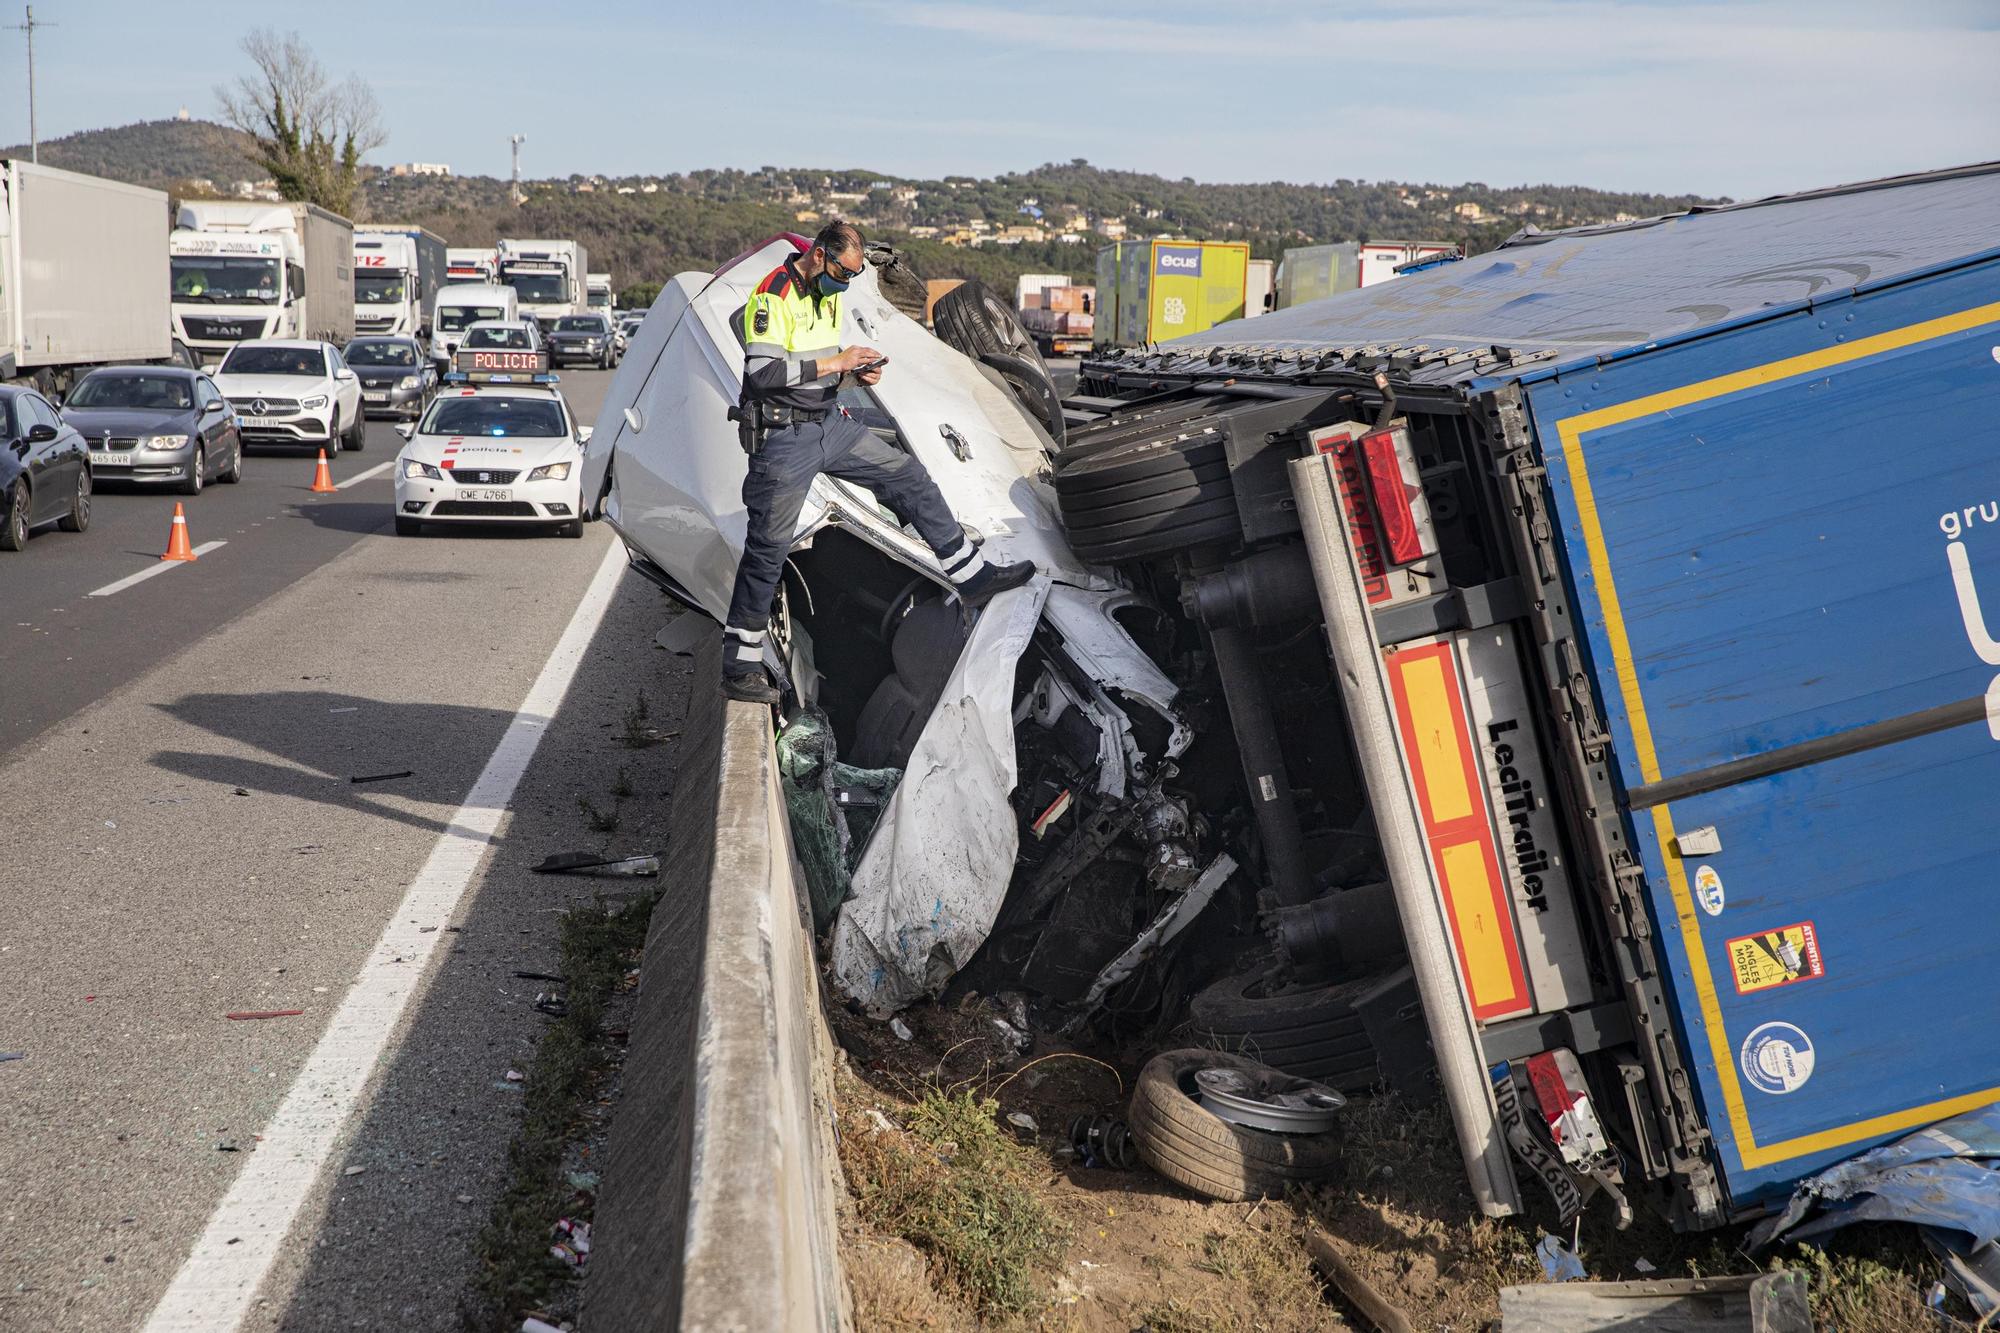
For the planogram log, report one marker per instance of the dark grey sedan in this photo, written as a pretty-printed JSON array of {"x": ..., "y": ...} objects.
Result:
[
  {"x": 583, "y": 338},
  {"x": 44, "y": 469},
  {"x": 157, "y": 426},
  {"x": 397, "y": 377}
]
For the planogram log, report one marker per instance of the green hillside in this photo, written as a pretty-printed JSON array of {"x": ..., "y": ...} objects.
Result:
[{"x": 153, "y": 152}]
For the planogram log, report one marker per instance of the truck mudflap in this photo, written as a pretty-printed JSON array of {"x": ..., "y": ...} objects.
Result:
[{"x": 1793, "y": 690}]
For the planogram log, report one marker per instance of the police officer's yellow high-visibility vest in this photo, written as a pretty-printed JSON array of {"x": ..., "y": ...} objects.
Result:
[{"x": 786, "y": 331}]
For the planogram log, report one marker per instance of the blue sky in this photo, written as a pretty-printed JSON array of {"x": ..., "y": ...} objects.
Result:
[{"x": 1742, "y": 98}]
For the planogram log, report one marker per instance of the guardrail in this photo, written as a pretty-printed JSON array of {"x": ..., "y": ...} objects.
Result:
[{"x": 721, "y": 1175}]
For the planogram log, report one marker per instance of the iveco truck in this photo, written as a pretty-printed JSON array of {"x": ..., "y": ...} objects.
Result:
[
  {"x": 244, "y": 270},
  {"x": 548, "y": 276},
  {"x": 397, "y": 273},
  {"x": 83, "y": 276}
]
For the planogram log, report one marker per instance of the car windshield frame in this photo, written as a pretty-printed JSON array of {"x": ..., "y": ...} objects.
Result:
[
  {"x": 365, "y": 345},
  {"x": 537, "y": 288},
  {"x": 458, "y": 318},
  {"x": 515, "y": 340},
  {"x": 245, "y": 350},
  {"x": 214, "y": 292},
  {"x": 478, "y": 416},
  {"x": 581, "y": 324},
  {"x": 97, "y": 382},
  {"x": 380, "y": 288}
]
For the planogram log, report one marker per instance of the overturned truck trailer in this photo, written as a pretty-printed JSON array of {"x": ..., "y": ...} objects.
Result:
[{"x": 1655, "y": 562}]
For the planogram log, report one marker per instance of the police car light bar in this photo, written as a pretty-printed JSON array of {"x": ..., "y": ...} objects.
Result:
[{"x": 495, "y": 377}]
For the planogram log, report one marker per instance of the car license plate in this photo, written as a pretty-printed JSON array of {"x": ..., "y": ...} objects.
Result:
[
  {"x": 260, "y": 423},
  {"x": 98, "y": 458},
  {"x": 376, "y": 397},
  {"x": 466, "y": 494}
]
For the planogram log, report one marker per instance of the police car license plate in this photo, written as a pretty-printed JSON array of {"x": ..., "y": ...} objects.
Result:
[{"x": 466, "y": 494}]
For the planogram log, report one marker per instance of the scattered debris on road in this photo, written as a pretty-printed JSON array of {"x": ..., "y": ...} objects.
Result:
[
  {"x": 597, "y": 863},
  {"x": 384, "y": 777},
  {"x": 265, "y": 1013}
]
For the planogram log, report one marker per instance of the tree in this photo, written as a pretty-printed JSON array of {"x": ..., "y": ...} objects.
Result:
[{"x": 307, "y": 131}]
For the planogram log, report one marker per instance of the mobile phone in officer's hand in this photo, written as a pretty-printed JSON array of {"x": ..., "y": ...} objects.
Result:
[{"x": 872, "y": 365}]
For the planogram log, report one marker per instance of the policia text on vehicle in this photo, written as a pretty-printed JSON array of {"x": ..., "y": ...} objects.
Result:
[{"x": 794, "y": 429}]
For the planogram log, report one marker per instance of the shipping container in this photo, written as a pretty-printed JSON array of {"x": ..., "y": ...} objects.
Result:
[
  {"x": 83, "y": 273},
  {"x": 1661, "y": 563},
  {"x": 1169, "y": 289}
]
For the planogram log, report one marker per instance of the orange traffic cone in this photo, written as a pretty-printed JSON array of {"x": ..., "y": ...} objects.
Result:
[
  {"x": 178, "y": 546},
  {"x": 323, "y": 479}
]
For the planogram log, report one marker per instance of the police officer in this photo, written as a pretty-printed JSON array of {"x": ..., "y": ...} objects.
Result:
[{"x": 792, "y": 370}]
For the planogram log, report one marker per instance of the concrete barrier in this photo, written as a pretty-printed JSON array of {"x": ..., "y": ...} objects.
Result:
[{"x": 721, "y": 1177}]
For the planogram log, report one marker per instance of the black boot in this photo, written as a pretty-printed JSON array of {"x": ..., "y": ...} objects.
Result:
[
  {"x": 749, "y": 685},
  {"x": 993, "y": 580}
]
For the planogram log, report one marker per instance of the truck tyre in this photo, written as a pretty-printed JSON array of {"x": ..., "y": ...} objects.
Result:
[
  {"x": 1198, "y": 1150},
  {"x": 1150, "y": 496},
  {"x": 14, "y": 517},
  {"x": 975, "y": 321},
  {"x": 77, "y": 518},
  {"x": 1311, "y": 1031}
]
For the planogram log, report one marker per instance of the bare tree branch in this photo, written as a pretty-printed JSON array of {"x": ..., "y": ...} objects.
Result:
[{"x": 308, "y": 132}]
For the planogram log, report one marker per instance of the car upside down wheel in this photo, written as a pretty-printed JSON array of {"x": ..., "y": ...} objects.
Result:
[
  {"x": 1195, "y": 1148},
  {"x": 971, "y": 318}
]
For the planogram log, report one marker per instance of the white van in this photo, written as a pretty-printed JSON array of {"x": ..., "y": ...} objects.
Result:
[{"x": 461, "y": 306}]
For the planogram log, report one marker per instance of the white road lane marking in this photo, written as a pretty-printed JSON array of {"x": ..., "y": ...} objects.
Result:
[
  {"x": 363, "y": 476},
  {"x": 151, "y": 571},
  {"x": 214, "y": 1289}
]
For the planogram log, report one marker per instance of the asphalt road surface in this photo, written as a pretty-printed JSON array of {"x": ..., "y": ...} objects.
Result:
[{"x": 183, "y": 840}]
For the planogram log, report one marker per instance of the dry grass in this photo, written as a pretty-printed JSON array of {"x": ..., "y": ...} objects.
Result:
[{"x": 951, "y": 1185}]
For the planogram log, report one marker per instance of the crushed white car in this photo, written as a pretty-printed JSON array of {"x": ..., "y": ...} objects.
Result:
[{"x": 1035, "y": 737}]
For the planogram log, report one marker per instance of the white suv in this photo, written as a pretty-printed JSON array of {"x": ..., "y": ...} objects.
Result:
[{"x": 294, "y": 391}]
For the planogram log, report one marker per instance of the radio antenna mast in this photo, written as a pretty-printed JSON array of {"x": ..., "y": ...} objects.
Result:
[{"x": 34, "y": 137}]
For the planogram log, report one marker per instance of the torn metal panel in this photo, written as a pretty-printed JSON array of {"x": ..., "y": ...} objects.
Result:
[
  {"x": 1765, "y": 1303},
  {"x": 931, "y": 881},
  {"x": 1175, "y": 917}
]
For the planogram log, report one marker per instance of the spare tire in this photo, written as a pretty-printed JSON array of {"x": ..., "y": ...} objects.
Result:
[
  {"x": 1189, "y": 1145},
  {"x": 973, "y": 319}
]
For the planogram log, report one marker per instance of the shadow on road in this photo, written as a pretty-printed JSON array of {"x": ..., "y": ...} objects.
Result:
[{"x": 394, "y": 1245}]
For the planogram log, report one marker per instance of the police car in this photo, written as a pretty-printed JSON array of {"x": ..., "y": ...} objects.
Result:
[{"x": 497, "y": 445}]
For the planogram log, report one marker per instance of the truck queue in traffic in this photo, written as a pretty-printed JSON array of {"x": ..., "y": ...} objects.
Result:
[{"x": 153, "y": 349}]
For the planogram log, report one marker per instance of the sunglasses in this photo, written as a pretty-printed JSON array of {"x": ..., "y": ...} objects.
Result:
[{"x": 841, "y": 272}]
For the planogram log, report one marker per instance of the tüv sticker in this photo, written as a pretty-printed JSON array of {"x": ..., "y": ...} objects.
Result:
[
  {"x": 1708, "y": 890},
  {"x": 1777, "y": 1058}
]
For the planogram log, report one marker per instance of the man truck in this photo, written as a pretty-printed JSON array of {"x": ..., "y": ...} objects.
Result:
[
  {"x": 548, "y": 275},
  {"x": 83, "y": 276},
  {"x": 397, "y": 273},
  {"x": 259, "y": 270}
]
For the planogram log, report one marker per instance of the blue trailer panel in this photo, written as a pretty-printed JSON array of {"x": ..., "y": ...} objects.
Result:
[{"x": 1759, "y": 525}]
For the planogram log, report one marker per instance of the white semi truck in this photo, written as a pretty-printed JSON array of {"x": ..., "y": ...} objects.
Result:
[
  {"x": 548, "y": 275},
  {"x": 260, "y": 270},
  {"x": 83, "y": 276},
  {"x": 397, "y": 273},
  {"x": 601, "y": 298},
  {"x": 471, "y": 264}
]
